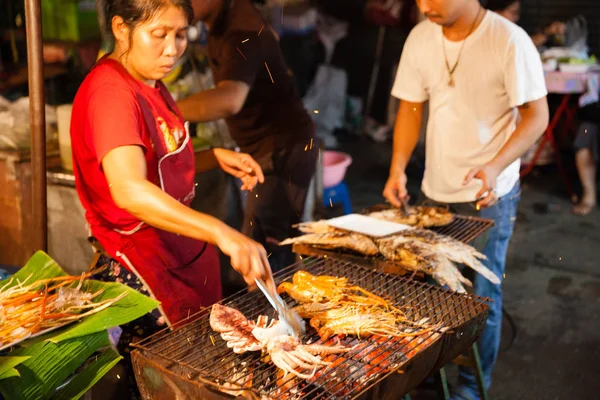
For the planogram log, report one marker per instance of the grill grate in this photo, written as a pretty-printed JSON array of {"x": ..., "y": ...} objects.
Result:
[
  {"x": 196, "y": 353},
  {"x": 465, "y": 228}
]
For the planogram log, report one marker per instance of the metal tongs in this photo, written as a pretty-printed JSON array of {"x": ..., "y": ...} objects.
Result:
[
  {"x": 404, "y": 207},
  {"x": 286, "y": 315}
]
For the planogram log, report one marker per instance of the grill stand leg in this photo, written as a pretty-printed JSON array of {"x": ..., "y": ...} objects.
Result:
[
  {"x": 479, "y": 373},
  {"x": 444, "y": 380},
  {"x": 476, "y": 364}
]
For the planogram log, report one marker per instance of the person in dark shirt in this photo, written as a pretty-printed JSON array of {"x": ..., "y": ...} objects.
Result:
[{"x": 256, "y": 95}]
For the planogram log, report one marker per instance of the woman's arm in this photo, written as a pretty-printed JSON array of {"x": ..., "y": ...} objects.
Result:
[{"x": 125, "y": 170}]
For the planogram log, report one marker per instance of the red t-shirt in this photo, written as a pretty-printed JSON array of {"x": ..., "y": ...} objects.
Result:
[{"x": 106, "y": 115}]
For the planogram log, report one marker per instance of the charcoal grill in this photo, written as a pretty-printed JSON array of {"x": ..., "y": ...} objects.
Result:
[
  {"x": 192, "y": 361},
  {"x": 463, "y": 228}
]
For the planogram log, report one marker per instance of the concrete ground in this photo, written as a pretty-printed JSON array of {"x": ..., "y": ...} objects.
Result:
[{"x": 551, "y": 290}]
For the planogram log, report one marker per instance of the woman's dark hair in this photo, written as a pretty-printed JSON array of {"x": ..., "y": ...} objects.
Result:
[
  {"x": 499, "y": 5},
  {"x": 135, "y": 12}
]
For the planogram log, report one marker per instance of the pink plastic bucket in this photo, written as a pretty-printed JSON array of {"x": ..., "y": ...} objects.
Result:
[{"x": 335, "y": 165}]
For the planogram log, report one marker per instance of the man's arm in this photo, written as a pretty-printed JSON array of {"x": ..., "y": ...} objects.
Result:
[
  {"x": 406, "y": 137},
  {"x": 406, "y": 134},
  {"x": 224, "y": 101},
  {"x": 533, "y": 123}
]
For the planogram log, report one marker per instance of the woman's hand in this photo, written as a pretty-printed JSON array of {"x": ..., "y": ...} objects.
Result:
[
  {"x": 248, "y": 257},
  {"x": 240, "y": 165}
]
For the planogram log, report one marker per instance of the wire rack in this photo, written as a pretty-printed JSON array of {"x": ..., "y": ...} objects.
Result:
[{"x": 196, "y": 354}]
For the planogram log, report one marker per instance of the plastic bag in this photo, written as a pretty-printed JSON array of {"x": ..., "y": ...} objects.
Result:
[{"x": 15, "y": 130}]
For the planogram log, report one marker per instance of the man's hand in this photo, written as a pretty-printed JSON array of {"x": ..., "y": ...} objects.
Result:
[
  {"x": 488, "y": 174},
  {"x": 395, "y": 188},
  {"x": 240, "y": 165}
]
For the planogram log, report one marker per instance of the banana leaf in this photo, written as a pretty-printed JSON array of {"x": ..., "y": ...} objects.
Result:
[
  {"x": 49, "y": 366},
  {"x": 82, "y": 382},
  {"x": 40, "y": 266},
  {"x": 9, "y": 364},
  {"x": 9, "y": 373},
  {"x": 56, "y": 355}
]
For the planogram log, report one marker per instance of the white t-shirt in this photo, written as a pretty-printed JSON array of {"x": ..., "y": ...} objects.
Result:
[{"x": 499, "y": 69}]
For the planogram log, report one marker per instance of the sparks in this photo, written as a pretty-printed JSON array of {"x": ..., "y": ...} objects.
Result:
[
  {"x": 261, "y": 29},
  {"x": 311, "y": 143},
  {"x": 316, "y": 111},
  {"x": 504, "y": 276},
  {"x": 330, "y": 202},
  {"x": 244, "y": 41},
  {"x": 212, "y": 340},
  {"x": 238, "y": 49},
  {"x": 257, "y": 195},
  {"x": 270, "y": 254},
  {"x": 118, "y": 376},
  {"x": 195, "y": 184},
  {"x": 250, "y": 223},
  {"x": 306, "y": 148},
  {"x": 269, "y": 71}
]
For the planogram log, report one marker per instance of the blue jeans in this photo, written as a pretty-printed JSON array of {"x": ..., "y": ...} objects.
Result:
[{"x": 504, "y": 214}]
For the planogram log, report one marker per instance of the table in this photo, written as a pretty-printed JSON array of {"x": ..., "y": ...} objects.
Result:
[{"x": 566, "y": 85}]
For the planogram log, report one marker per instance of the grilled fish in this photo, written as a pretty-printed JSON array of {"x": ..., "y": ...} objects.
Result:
[
  {"x": 420, "y": 256},
  {"x": 337, "y": 240},
  {"x": 315, "y": 227},
  {"x": 454, "y": 250},
  {"x": 421, "y": 216}
]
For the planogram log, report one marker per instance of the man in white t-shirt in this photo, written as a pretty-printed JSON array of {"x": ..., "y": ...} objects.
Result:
[{"x": 478, "y": 71}]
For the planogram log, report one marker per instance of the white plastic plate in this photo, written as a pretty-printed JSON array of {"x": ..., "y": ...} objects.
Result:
[{"x": 368, "y": 226}]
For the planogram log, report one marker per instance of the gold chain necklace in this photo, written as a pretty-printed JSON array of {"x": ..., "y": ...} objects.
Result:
[{"x": 451, "y": 70}]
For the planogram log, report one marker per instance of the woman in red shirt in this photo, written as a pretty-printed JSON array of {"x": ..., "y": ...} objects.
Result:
[{"x": 134, "y": 167}]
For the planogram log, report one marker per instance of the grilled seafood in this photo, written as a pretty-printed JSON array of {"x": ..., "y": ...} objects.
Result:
[
  {"x": 362, "y": 321},
  {"x": 32, "y": 307},
  {"x": 308, "y": 288},
  {"x": 415, "y": 248},
  {"x": 335, "y": 307},
  {"x": 315, "y": 227},
  {"x": 420, "y": 256},
  {"x": 235, "y": 329},
  {"x": 285, "y": 351},
  {"x": 421, "y": 216},
  {"x": 335, "y": 240},
  {"x": 435, "y": 255},
  {"x": 289, "y": 354},
  {"x": 454, "y": 250}
]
